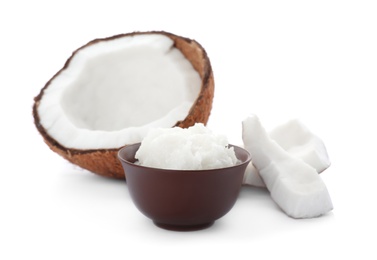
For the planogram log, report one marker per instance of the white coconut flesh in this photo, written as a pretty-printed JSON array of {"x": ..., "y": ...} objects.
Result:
[
  {"x": 113, "y": 92},
  {"x": 299, "y": 141},
  {"x": 293, "y": 184},
  {"x": 295, "y": 138}
]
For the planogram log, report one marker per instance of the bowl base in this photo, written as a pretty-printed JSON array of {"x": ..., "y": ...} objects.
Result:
[{"x": 183, "y": 227}]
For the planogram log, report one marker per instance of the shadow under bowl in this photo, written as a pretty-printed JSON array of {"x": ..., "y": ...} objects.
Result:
[{"x": 183, "y": 200}]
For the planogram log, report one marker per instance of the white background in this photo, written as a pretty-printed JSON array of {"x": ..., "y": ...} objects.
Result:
[{"x": 313, "y": 60}]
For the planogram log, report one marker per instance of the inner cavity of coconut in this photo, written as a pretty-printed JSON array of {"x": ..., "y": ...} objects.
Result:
[{"x": 114, "y": 91}]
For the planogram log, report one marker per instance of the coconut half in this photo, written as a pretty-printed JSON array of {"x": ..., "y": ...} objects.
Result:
[{"x": 112, "y": 91}]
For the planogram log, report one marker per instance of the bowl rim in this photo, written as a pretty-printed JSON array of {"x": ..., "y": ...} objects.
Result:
[{"x": 247, "y": 161}]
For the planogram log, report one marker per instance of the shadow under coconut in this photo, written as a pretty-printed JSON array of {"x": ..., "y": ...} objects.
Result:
[
  {"x": 79, "y": 183},
  {"x": 260, "y": 216}
]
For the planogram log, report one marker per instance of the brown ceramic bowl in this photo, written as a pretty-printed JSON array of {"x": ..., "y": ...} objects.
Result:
[{"x": 183, "y": 199}]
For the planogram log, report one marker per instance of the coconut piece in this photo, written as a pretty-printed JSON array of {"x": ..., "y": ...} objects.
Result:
[
  {"x": 295, "y": 138},
  {"x": 112, "y": 91},
  {"x": 299, "y": 141},
  {"x": 293, "y": 184},
  {"x": 252, "y": 177}
]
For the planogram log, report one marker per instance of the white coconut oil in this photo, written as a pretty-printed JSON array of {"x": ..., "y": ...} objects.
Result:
[{"x": 194, "y": 148}]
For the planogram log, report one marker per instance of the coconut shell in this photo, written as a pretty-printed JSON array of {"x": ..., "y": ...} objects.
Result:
[{"x": 104, "y": 161}]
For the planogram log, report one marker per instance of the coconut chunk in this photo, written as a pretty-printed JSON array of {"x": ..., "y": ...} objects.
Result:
[
  {"x": 295, "y": 138},
  {"x": 293, "y": 184}
]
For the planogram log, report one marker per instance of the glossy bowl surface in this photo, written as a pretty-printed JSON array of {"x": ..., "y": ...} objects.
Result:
[{"x": 183, "y": 199}]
